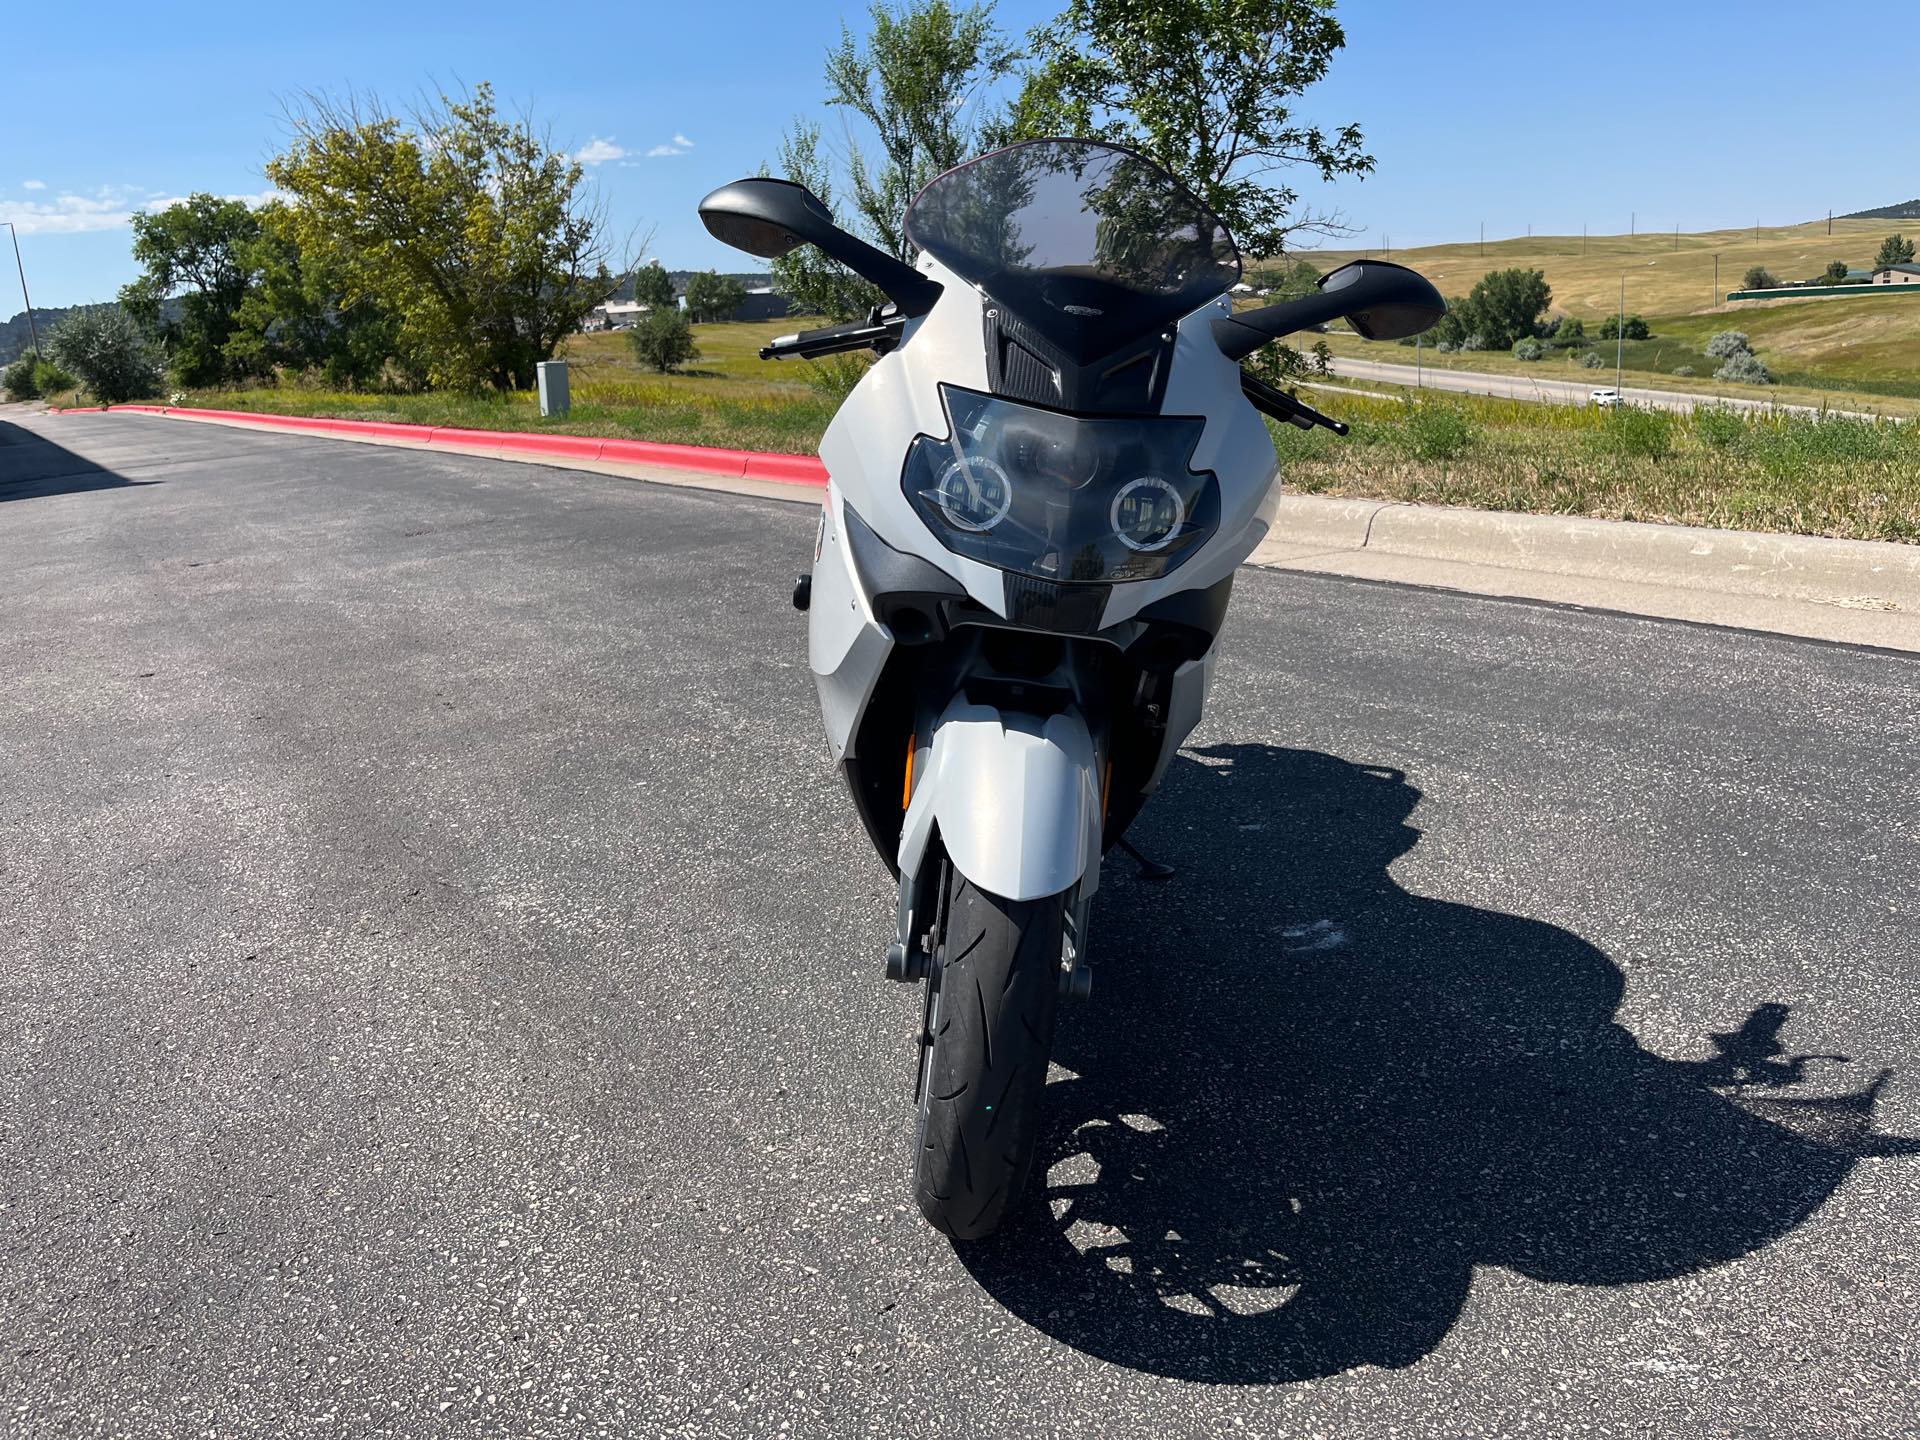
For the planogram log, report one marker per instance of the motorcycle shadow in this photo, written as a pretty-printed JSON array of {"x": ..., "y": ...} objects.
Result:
[{"x": 1305, "y": 1104}]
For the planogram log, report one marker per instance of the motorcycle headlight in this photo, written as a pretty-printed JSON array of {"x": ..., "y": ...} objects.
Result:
[{"x": 1061, "y": 497}]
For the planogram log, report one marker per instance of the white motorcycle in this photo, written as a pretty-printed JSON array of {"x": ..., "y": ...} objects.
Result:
[{"x": 1039, "y": 496}]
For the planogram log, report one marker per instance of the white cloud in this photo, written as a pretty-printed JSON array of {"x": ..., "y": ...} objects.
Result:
[
  {"x": 597, "y": 151},
  {"x": 679, "y": 145},
  {"x": 111, "y": 207},
  {"x": 33, "y": 184},
  {"x": 680, "y": 139}
]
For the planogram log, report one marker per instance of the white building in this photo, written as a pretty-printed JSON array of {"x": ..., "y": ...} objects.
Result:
[{"x": 1897, "y": 275}]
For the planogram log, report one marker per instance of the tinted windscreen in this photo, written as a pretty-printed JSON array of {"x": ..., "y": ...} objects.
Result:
[{"x": 1089, "y": 244}]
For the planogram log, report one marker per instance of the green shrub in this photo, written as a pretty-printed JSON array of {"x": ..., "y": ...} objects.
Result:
[
  {"x": 1437, "y": 432},
  {"x": 49, "y": 379},
  {"x": 834, "y": 376},
  {"x": 663, "y": 339},
  {"x": 1591, "y": 361},
  {"x": 19, "y": 382},
  {"x": 1746, "y": 368},
  {"x": 1528, "y": 349},
  {"x": 1684, "y": 371},
  {"x": 1635, "y": 430},
  {"x": 1728, "y": 343},
  {"x": 1759, "y": 278},
  {"x": 1570, "y": 333},
  {"x": 1718, "y": 425},
  {"x": 1632, "y": 328},
  {"x": 106, "y": 351}
]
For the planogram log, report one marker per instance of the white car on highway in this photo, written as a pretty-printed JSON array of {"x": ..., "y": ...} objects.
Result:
[{"x": 1608, "y": 397}]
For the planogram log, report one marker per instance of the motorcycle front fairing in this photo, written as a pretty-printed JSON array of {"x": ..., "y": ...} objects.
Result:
[{"x": 1067, "y": 683}]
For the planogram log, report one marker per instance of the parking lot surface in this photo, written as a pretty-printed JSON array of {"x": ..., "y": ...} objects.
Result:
[{"x": 441, "y": 994}]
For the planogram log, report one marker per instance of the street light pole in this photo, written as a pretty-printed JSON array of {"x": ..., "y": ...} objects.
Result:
[
  {"x": 1620, "y": 338},
  {"x": 32, "y": 333}
]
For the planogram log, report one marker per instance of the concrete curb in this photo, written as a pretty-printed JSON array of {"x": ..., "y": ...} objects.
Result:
[
  {"x": 509, "y": 444},
  {"x": 1852, "y": 574}
]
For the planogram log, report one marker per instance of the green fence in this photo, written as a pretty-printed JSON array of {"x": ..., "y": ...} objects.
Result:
[{"x": 1795, "y": 292}]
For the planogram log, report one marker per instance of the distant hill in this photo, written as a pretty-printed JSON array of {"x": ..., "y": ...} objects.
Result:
[
  {"x": 15, "y": 335},
  {"x": 1905, "y": 210}
]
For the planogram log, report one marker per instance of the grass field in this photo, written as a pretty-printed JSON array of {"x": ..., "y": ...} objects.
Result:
[
  {"x": 728, "y": 396},
  {"x": 1843, "y": 350},
  {"x": 1661, "y": 279}
]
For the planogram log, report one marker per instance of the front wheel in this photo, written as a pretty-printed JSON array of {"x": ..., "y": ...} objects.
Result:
[{"x": 990, "y": 1011}]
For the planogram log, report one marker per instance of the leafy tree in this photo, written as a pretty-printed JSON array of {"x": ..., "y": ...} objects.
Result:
[
  {"x": 1759, "y": 278},
  {"x": 1727, "y": 343},
  {"x": 1893, "y": 251},
  {"x": 662, "y": 338},
  {"x": 1836, "y": 272},
  {"x": 473, "y": 231},
  {"x": 913, "y": 84},
  {"x": 652, "y": 286},
  {"x": 295, "y": 314},
  {"x": 106, "y": 348},
  {"x": 1633, "y": 327},
  {"x": 1570, "y": 332},
  {"x": 1506, "y": 305},
  {"x": 197, "y": 250},
  {"x": 1290, "y": 280},
  {"x": 712, "y": 296},
  {"x": 1206, "y": 88}
]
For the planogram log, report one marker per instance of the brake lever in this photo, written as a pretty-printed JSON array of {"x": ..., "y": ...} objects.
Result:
[{"x": 1271, "y": 400}]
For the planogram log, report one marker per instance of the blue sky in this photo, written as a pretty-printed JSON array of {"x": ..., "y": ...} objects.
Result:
[{"x": 1690, "y": 113}]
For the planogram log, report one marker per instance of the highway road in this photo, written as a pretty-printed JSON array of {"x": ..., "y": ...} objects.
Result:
[
  {"x": 441, "y": 993},
  {"x": 1557, "y": 392}
]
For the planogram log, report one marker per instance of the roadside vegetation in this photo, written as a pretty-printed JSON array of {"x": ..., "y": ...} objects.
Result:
[{"x": 1858, "y": 479}]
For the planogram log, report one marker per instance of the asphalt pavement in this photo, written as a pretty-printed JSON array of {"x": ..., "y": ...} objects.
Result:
[
  {"x": 1558, "y": 392},
  {"x": 441, "y": 994}
]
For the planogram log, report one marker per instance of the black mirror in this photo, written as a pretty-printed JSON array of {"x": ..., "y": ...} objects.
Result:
[
  {"x": 1389, "y": 302},
  {"x": 1381, "y": 300},
  {"x": 763, "y": 216},
  {"x": 768, "y": 218}
]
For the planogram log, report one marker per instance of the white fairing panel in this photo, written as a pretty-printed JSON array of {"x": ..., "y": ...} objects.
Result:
[
  {"x": 846, "y": 646},
  {"x": 1016, "y": 800}
]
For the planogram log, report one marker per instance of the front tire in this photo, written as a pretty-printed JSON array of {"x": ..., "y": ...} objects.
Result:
[{"x": 991, "y": 1004}]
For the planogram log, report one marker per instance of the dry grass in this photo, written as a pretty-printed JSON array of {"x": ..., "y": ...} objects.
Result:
[{"x": 1661, "y": 280}]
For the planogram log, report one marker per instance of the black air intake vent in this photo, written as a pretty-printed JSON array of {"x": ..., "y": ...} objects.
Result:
[
  {"x": 1022, "y": 366},
  {"x": 1069, "y": 609}
]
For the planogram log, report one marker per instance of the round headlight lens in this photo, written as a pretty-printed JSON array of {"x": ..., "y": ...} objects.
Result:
[
  {"x": 1147, "y": 513},
  {"x": 974, "y": 494}
]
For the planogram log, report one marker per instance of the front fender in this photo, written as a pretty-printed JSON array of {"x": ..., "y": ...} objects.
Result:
[{"x": 1015, "y": 798}]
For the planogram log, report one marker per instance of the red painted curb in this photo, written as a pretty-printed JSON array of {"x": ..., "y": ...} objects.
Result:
[{"x": 739, "y": 464}]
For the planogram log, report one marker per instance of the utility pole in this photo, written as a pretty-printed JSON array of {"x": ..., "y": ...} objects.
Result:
[
  {"x": 32, "y": 333},
  {"x": 1829, "y": 223},
  {"x": 1716, "y": 277},
  {"x": 1633, "y": 223},
  {"x": 1483, "y": 239},
  {"x": 1620, "y": 338}
]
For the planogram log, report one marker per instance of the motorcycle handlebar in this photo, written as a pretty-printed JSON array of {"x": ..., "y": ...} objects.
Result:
[{"x": 873, "y": 333}]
